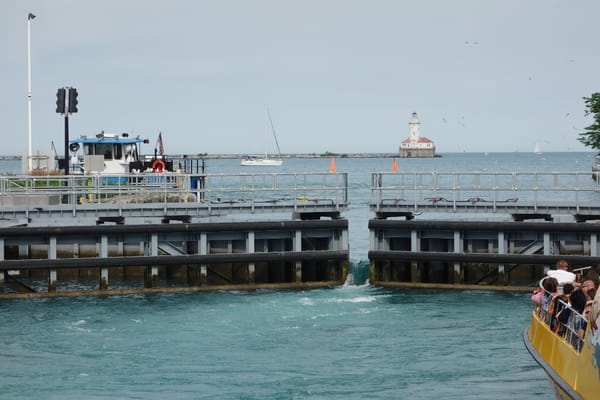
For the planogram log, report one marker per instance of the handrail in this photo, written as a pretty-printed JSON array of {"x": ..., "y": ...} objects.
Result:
[
  {"x": 484, "y": 191},
  {"x": 567, "y": 330},
  {"x": 248, "y": 191}
]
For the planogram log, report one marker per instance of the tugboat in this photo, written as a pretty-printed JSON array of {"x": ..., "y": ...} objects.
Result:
[
  {"x": 114, "y": 154},
  {"x": 569, "y": 352}
]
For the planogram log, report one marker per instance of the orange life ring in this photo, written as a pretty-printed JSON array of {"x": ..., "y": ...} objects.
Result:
[{"x": 158, "y": 166}]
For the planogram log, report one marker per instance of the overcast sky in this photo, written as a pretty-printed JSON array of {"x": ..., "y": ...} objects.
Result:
[{"x": 341, "y": 76}]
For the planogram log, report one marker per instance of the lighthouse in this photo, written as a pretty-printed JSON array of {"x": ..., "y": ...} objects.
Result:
[{"x": 416, "y": 145}]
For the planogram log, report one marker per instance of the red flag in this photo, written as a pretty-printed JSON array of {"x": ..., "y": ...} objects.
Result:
[{"x": 161, "y": 149}]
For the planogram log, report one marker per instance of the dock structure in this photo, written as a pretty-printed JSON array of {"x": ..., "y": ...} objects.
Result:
[
  {"x": 139, "y": 198},
  {"x": 50, "y": 261},
  {"x": 523, "y": 195},
  {"x": 475, "y": 254},
  {"x": 461, "y": 247},
  {"x": 101, "y": 234}
]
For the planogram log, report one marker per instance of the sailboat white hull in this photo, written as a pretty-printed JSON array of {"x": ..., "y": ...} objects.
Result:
[
  {"x": 255, "y": 161},
  {"x": 261, "y": 162}
]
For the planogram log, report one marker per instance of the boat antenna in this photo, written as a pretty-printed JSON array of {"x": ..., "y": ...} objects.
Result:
[{"x": 273, "y": 129}]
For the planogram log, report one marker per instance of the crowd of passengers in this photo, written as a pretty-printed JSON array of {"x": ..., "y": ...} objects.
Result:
[{"x": 564, "y": 301}]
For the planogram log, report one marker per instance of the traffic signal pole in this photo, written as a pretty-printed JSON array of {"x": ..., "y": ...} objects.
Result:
[
  {"x": 66, "y": 143},
  {"x": 66, "y": 106}
]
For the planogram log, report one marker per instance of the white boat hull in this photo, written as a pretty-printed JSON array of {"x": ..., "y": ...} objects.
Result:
[{"x": 261, "y": 162}]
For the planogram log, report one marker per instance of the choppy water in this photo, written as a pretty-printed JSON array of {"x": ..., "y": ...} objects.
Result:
[{"x": 351, "y": 342}]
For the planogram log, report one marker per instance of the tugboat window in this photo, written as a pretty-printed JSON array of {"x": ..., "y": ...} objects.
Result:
[
  {"x": 118, "y": 152},
  {"x": 104, "y": 149}
]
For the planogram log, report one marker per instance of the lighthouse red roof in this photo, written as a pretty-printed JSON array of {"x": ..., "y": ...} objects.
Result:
[{"x": 421, "y": 140}]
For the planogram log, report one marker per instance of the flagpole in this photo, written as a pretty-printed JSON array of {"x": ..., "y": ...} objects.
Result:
[{"x": 29, "y": 151}]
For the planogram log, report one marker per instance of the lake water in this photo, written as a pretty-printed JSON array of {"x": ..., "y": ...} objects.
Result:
[{"x": 352, "y": 342}]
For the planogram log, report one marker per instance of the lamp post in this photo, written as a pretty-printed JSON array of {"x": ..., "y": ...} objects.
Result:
[{"x": 29, "y": 152}]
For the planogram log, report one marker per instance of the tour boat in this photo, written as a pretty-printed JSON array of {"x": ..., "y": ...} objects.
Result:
[{"x": 570, "y": 362}]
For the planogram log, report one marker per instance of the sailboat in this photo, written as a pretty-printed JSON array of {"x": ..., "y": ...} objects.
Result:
[
  {"x": 256, "y": 161},
  {"x": 537, "y": 149}
]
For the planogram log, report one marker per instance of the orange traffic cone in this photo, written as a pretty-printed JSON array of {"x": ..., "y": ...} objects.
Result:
[
  {"x": 394, "y": 165},
  {"x": 332, "y": 166}
]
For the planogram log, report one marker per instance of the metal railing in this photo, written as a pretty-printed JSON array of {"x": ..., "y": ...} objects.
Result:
[
  {"x": 204, "y": 193},
  {"x": 572, "y": 328},
  {"x": 485, "y": 192}
]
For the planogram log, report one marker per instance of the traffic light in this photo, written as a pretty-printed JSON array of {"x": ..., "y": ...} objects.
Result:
[
  {"x": 72, "y": 100},
  {"x": 60, "y": 100}
]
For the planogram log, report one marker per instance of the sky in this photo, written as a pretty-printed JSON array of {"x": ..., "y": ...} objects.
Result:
[{"x": 342, "y": 76}]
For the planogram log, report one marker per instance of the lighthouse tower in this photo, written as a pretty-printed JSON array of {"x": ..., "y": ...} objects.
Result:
[
  {"x": 414, "y": 129},
  {"x": 415, "y": 145}
]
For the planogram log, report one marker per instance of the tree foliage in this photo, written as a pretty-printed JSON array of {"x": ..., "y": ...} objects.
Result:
[{"x": 591, "y": 136}]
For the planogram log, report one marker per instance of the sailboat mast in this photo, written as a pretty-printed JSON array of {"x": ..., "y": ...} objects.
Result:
[{"x": 273, "y": 129}]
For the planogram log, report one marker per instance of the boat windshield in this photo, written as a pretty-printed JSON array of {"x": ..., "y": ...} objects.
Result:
[{"x": 110, "y": 151}]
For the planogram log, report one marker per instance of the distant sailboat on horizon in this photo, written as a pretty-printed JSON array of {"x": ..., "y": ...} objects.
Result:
[
  {"x": 255, "y": 161},
  {"x": 537, "y": 149}
]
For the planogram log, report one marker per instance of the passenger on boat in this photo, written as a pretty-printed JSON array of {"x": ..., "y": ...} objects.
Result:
[
  {"x": 577, "y": 300},
  {"x": 550, "y": 286},
  {"x": 585, "y": 274},
  {"x": 578, "y": 303},
  {"x": 562, "y": 264},
  {"x": 560, "y": 310},
  {"x": 562, "y": 273},
  {"x": 593, "y": 276},
  {"x": 536, "y": 297},
  {"x": 592, "y": 293},
  {"x": 587, "y": 311},
  {"x": 540, "y": 292},
  {"x": 589, "y": 289}
]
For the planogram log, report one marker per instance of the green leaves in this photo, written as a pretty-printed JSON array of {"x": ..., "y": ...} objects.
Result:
[{"x": 591, "y": 136}]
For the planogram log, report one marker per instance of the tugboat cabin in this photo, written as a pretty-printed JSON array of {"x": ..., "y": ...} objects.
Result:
[{"x": 112, "y": 154}]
